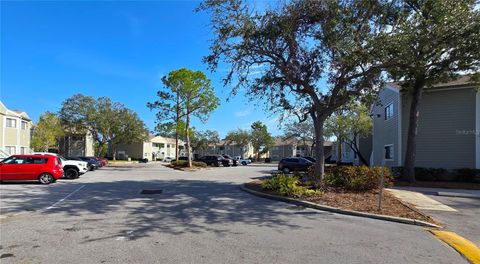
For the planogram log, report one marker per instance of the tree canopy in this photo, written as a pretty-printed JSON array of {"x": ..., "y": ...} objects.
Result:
[
  {"x": 431, "y": 42},
  {"x": 108, "y": 122},
  {"x": 261, "y": 139},
  {"x": 310, "y": 57},
  {"x": 186, "y": 94},
  {"x": 239, "y": 136},
  {"x": 350, "y": 124},
  {"x": 47, "y": 132}
]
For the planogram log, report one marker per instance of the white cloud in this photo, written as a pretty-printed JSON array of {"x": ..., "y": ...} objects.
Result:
[{"x": 242, "y": 113}]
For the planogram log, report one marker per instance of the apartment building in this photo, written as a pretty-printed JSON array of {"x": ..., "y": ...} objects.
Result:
[{"x": 15, "y": 131}]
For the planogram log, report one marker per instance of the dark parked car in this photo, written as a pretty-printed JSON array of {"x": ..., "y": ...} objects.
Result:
[
  {"x": 288, "y": 165},
  {"x": 310, "y": 159},
  {"x": 215, "y": 160},
  {"x": 92, "y": 163},
  {"x": 328, "y": 160},
  {"x": 234, "y": 161}
]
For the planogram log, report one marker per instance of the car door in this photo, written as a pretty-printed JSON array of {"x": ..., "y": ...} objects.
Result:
[
  {"x": 36, "y": 166},
  {"x": 13, "y": 168},
  {"x": 294, "y": 163}
]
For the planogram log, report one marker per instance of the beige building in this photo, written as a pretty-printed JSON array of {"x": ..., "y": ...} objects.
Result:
[
  {"x": 74, "y": 145},
  {"x": 15, "y": 131},
  {"x": 155, "y": 148},
  {"x": 285, "y": 148},
  {"x": 225, "y": 147}
]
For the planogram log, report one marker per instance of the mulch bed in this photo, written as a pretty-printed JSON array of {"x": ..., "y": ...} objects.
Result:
[
  {"x": 447, "y": 185},
  {"x": 359, "y": 201}
]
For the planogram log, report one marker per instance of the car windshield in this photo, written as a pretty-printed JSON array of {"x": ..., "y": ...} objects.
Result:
[{"x": 12, "y": 160}]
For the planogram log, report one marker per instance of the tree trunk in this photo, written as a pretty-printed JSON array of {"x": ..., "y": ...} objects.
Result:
[
  {"x": 114, "y": 150},
  {"x": 339, "y": 147},
  {"x": 354, "y": 147},
  {"x": 177, "y": 119},
  {"x": 319, "y": 150},
  {"x": 189, "y": 153},
  {"x": 409, "y": 165},
  {"x": 304, "y": 147}
]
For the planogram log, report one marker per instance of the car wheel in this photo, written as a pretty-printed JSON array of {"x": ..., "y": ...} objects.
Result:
[
  {"x": 46, "y": 178},
  {"x": 71, "y": 173},
  {"x": 286, "y": 170},
  {"x": 244, "y": 163}
]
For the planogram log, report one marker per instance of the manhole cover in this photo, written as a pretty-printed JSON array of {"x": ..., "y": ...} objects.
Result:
[{"x": 158, "y": 191}]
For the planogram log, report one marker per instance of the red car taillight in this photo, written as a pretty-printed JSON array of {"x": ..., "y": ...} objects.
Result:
[{"x": 57, "y": 163}]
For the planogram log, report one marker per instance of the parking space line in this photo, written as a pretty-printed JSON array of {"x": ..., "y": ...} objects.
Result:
[{"x": 64, "y": 198}]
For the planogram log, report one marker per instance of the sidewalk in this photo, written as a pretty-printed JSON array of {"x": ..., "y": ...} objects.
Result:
[
  {"x": 421, "y": 201},
  {"x": 451, "y": 207},
  {"x": 461, "y": 193}
]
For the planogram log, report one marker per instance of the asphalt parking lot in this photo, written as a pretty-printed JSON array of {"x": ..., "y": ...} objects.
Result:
[{"x": 199, "y": 217}]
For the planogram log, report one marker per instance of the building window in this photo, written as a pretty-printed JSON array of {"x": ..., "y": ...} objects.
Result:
[
  {"x": 24, "y": 125},
  {"x": 23, "y": 150},
  {"x": 11, "y": 122},
  {"x": 388, "y": 111},
  {"x": 168, "y": 145},
  {"x": 10, "y": 150},
  {"x": 389, "y": 152}
]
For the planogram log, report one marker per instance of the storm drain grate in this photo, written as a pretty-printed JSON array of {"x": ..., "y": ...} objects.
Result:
[{"x": 145, "y": 191}]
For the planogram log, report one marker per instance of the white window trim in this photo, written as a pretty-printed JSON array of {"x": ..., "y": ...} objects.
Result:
[
  {"x": 385, "y": 118},
  {"x": 6, "y": 122},
  {"x": 391, "y": 152},
  {"x": 14, "y": 150}
]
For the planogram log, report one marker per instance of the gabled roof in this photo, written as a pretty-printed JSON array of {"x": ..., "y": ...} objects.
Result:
[
  {"x": 460, "y": 81},
  {"x": 15, "y": 113}
]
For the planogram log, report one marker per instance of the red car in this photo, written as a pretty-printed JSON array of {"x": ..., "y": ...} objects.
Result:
[
  {"x": 44, "y": 168},
  {"x": 103, "y": 161}
]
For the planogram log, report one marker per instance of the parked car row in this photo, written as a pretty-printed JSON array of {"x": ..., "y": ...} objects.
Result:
[
  {"x": 46, "y": 167},
  {"x": 224, "y": 160}
]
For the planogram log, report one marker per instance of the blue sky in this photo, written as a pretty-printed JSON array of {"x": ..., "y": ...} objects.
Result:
[{"x": 52, "y": 50}]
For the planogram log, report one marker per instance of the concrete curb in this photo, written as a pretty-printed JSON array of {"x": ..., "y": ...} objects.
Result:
[
  {"x": 338, "y": 210},
  {"x": 465, "y": 247},
  {"x": 459, "y": 195}
]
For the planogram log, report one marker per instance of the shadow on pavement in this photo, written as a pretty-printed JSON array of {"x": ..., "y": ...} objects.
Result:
[{"x": 184, "y": 206}]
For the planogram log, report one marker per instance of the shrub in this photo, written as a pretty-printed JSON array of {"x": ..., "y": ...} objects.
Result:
[
  {"x": 429, "y": 174},
  {"x": 311, "y": 170},
  {"x": 199, "y": 164},
  {"x": 357, "y": 178},
  {"x": 468, "y": 175},
  {"x": 284, "y": 185},
  {"x": 179, "y": 163},
  {"x": 184, "y": 164}
]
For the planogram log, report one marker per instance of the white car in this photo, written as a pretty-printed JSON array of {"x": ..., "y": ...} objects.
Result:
[
  {"x": 72, "y": 169},
  {"x": 168, "y": 159},
  {"x": 244, "y": 162}
]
